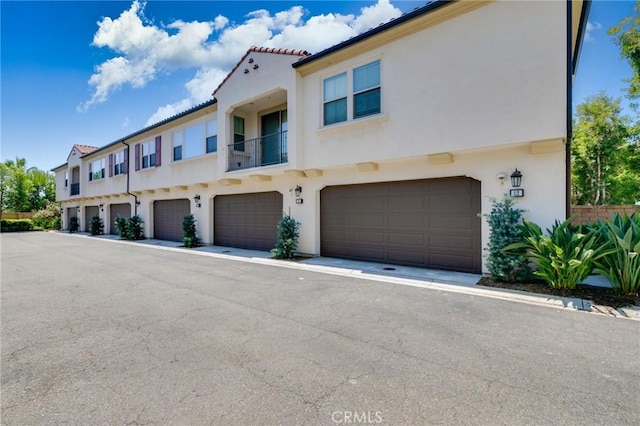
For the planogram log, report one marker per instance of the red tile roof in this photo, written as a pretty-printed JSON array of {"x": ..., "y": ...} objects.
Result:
[
  {"x": 84, "y": 149},
  {"x": 277, "y": 51}
]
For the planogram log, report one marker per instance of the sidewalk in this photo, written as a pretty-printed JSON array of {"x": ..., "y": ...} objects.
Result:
[{"x": 458, "y": 282}]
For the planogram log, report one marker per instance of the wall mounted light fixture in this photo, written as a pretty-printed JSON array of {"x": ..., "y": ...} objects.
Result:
[
  {"x": 516, "y": 178},
  {"x": 196, "y": 198},
  {"x": 298, "y": 190},
  {"x": 101, "y": 207}
]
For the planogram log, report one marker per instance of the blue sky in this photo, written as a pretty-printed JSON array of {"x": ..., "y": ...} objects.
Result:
[{"x": 92, "y": 72}]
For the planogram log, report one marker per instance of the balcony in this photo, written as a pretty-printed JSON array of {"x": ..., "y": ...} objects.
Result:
[
  {"x": 263, "y": 151},
  {"x": 74, "y": 189}
]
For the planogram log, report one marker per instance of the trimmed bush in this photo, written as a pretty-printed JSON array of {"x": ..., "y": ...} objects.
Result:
[
  {"x": 135, "y": 228},
  {"x": 16, "y": 225},
  {"x": 96, "y": 227},
  {"x": 74, "y": 224},
  {"x": 122, "y": 225},
  {"x": 503, "y": 222},
  {"x": 190, "y": 238},
  {"x": 287, "y": 242}
]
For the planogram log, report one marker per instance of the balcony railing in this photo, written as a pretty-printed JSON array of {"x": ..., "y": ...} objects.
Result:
[
  {"x": 74, "y": 189},
  {"x": 263, "y": 151}
]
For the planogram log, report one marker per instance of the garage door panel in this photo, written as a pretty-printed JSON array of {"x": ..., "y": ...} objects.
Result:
[
  {"x": 407, "y": 203},
  {"x": 407, "y": 239},
  {"x": 451, "y": 222},
  {"x": 448, "y": 261},
  {"x": 167, "y": 218},
  {"x": 407, "y": 257},
  {"x": 405, "y": 221},
  {"x": 451, "y": 242},
  {"x": 430, "y": 223},
  {"x": 247, "y": 220}
]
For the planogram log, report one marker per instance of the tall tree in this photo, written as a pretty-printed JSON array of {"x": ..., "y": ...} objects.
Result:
[
  {"x": 23, "y": 189},
  {"x": 601, "y": 140},
  {"x": 627, "y": 36}
]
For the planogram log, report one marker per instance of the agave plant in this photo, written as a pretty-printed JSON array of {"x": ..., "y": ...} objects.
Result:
[
  {"x": 622, "y": 266},
  {"x": 565, "y": 257}
]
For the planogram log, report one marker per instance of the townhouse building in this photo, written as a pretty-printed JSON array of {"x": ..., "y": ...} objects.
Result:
[{"x": 386, "y": 147}]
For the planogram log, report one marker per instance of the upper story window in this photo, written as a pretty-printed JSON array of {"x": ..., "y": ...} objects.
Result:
[
  {"x": 335, "y": 99},
  {"x": 238, "y": 133},
  {"x": 66, "y": 179},
  {"x": 96, "y": 170},
  {"x": 366, "y": 90},
  {"x": 212, "y": 135},
  {"x": 363, "y": 94},
  {"x": 148, "y": 154},
  {"x": 118, "y": 160},
  {"x": 195, "y": 140}
]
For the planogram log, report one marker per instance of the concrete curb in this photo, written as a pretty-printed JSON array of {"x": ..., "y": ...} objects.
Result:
[{"x": 550, "y": 301}]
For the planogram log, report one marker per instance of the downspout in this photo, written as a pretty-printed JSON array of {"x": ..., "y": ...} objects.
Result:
[
  {"x": 569, "y": 111},
  {"x": 135, "y": 197}
]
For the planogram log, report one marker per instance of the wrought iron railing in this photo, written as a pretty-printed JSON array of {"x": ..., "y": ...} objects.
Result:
[
  {"x": 74, "y": 189},
  {"x": 263, "y": 151}
]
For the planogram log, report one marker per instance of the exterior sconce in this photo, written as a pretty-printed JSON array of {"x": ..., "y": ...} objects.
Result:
[
  {"x": 137, "y": 203},
  {"x": 101, "y": 207},
  {"x": 196, "y": 198},
  {"x": 298, "y": 190},
  {"x": 501, "y": 177},
  {"x": 61, "y": 210},
  {"x": 516, "y": 179}
]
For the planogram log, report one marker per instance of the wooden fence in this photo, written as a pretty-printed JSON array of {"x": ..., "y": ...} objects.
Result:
[
  {"x": 17, "y": 215},
  {"x": 587, "y": 214}
]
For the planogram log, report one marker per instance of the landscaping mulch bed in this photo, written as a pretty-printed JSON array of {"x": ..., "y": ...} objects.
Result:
[{"x": 599, "y": 295}]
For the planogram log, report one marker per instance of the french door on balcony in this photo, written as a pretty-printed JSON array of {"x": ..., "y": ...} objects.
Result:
[{"x": 274, "y": 138}]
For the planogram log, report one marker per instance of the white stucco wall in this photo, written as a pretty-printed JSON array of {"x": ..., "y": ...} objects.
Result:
[{"x": 491, "y": 77}]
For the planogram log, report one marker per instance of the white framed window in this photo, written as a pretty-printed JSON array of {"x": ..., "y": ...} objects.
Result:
[
  {"x": 118, "y": 163},
  {"x": 195, "y": 140},
  {"x": 366, "y": 90},
  {"x": 148, "y": 155},
  {"x": 96, "y": 170},
  {"x": 352, "y": 94},
  {"x": 211, "y": 139},
  {"x": 66, "y": 179},
  {"x": 177, "y": 146},
  {"x": 335, "y": 99}
]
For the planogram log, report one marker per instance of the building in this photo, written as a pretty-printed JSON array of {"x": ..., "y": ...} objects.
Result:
[{"x": 386, "y": 147}]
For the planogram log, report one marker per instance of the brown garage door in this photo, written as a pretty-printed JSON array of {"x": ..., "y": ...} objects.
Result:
[
  {"x": 118, "y": 210},
  {"x": 167, "y": 218},
  {"x": 247, "y": 220},
  {"x": 430, "y": 223},
  {"x": 89, "y": 213}
]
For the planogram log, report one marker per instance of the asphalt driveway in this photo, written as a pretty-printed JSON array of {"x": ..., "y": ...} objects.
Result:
[{"x": 100, "y": 332}]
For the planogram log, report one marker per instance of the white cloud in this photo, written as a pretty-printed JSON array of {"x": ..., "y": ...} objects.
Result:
[
  {"x": 125, "y": 123},
  {"x": 210, "y": 48},
  {"x": 591, "y": 28}
]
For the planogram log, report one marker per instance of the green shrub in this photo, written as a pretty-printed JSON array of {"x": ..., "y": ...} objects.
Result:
[
  {"x": 74, "y": 224},
  {"x": 503, "y": 222},
  {"x": 190, "y": 238},
  {"x": 49, "y": 217},
  {"x": 565, "y": 257},
  {"x": 287, "y": 242},
  {"x": 122, "y": 225},
  {"x": 622, "y": 265},
  {"x": 135, "y": 228},
  {"x": 16, "y": 225},
  {"x": 96, "y": 227}
]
